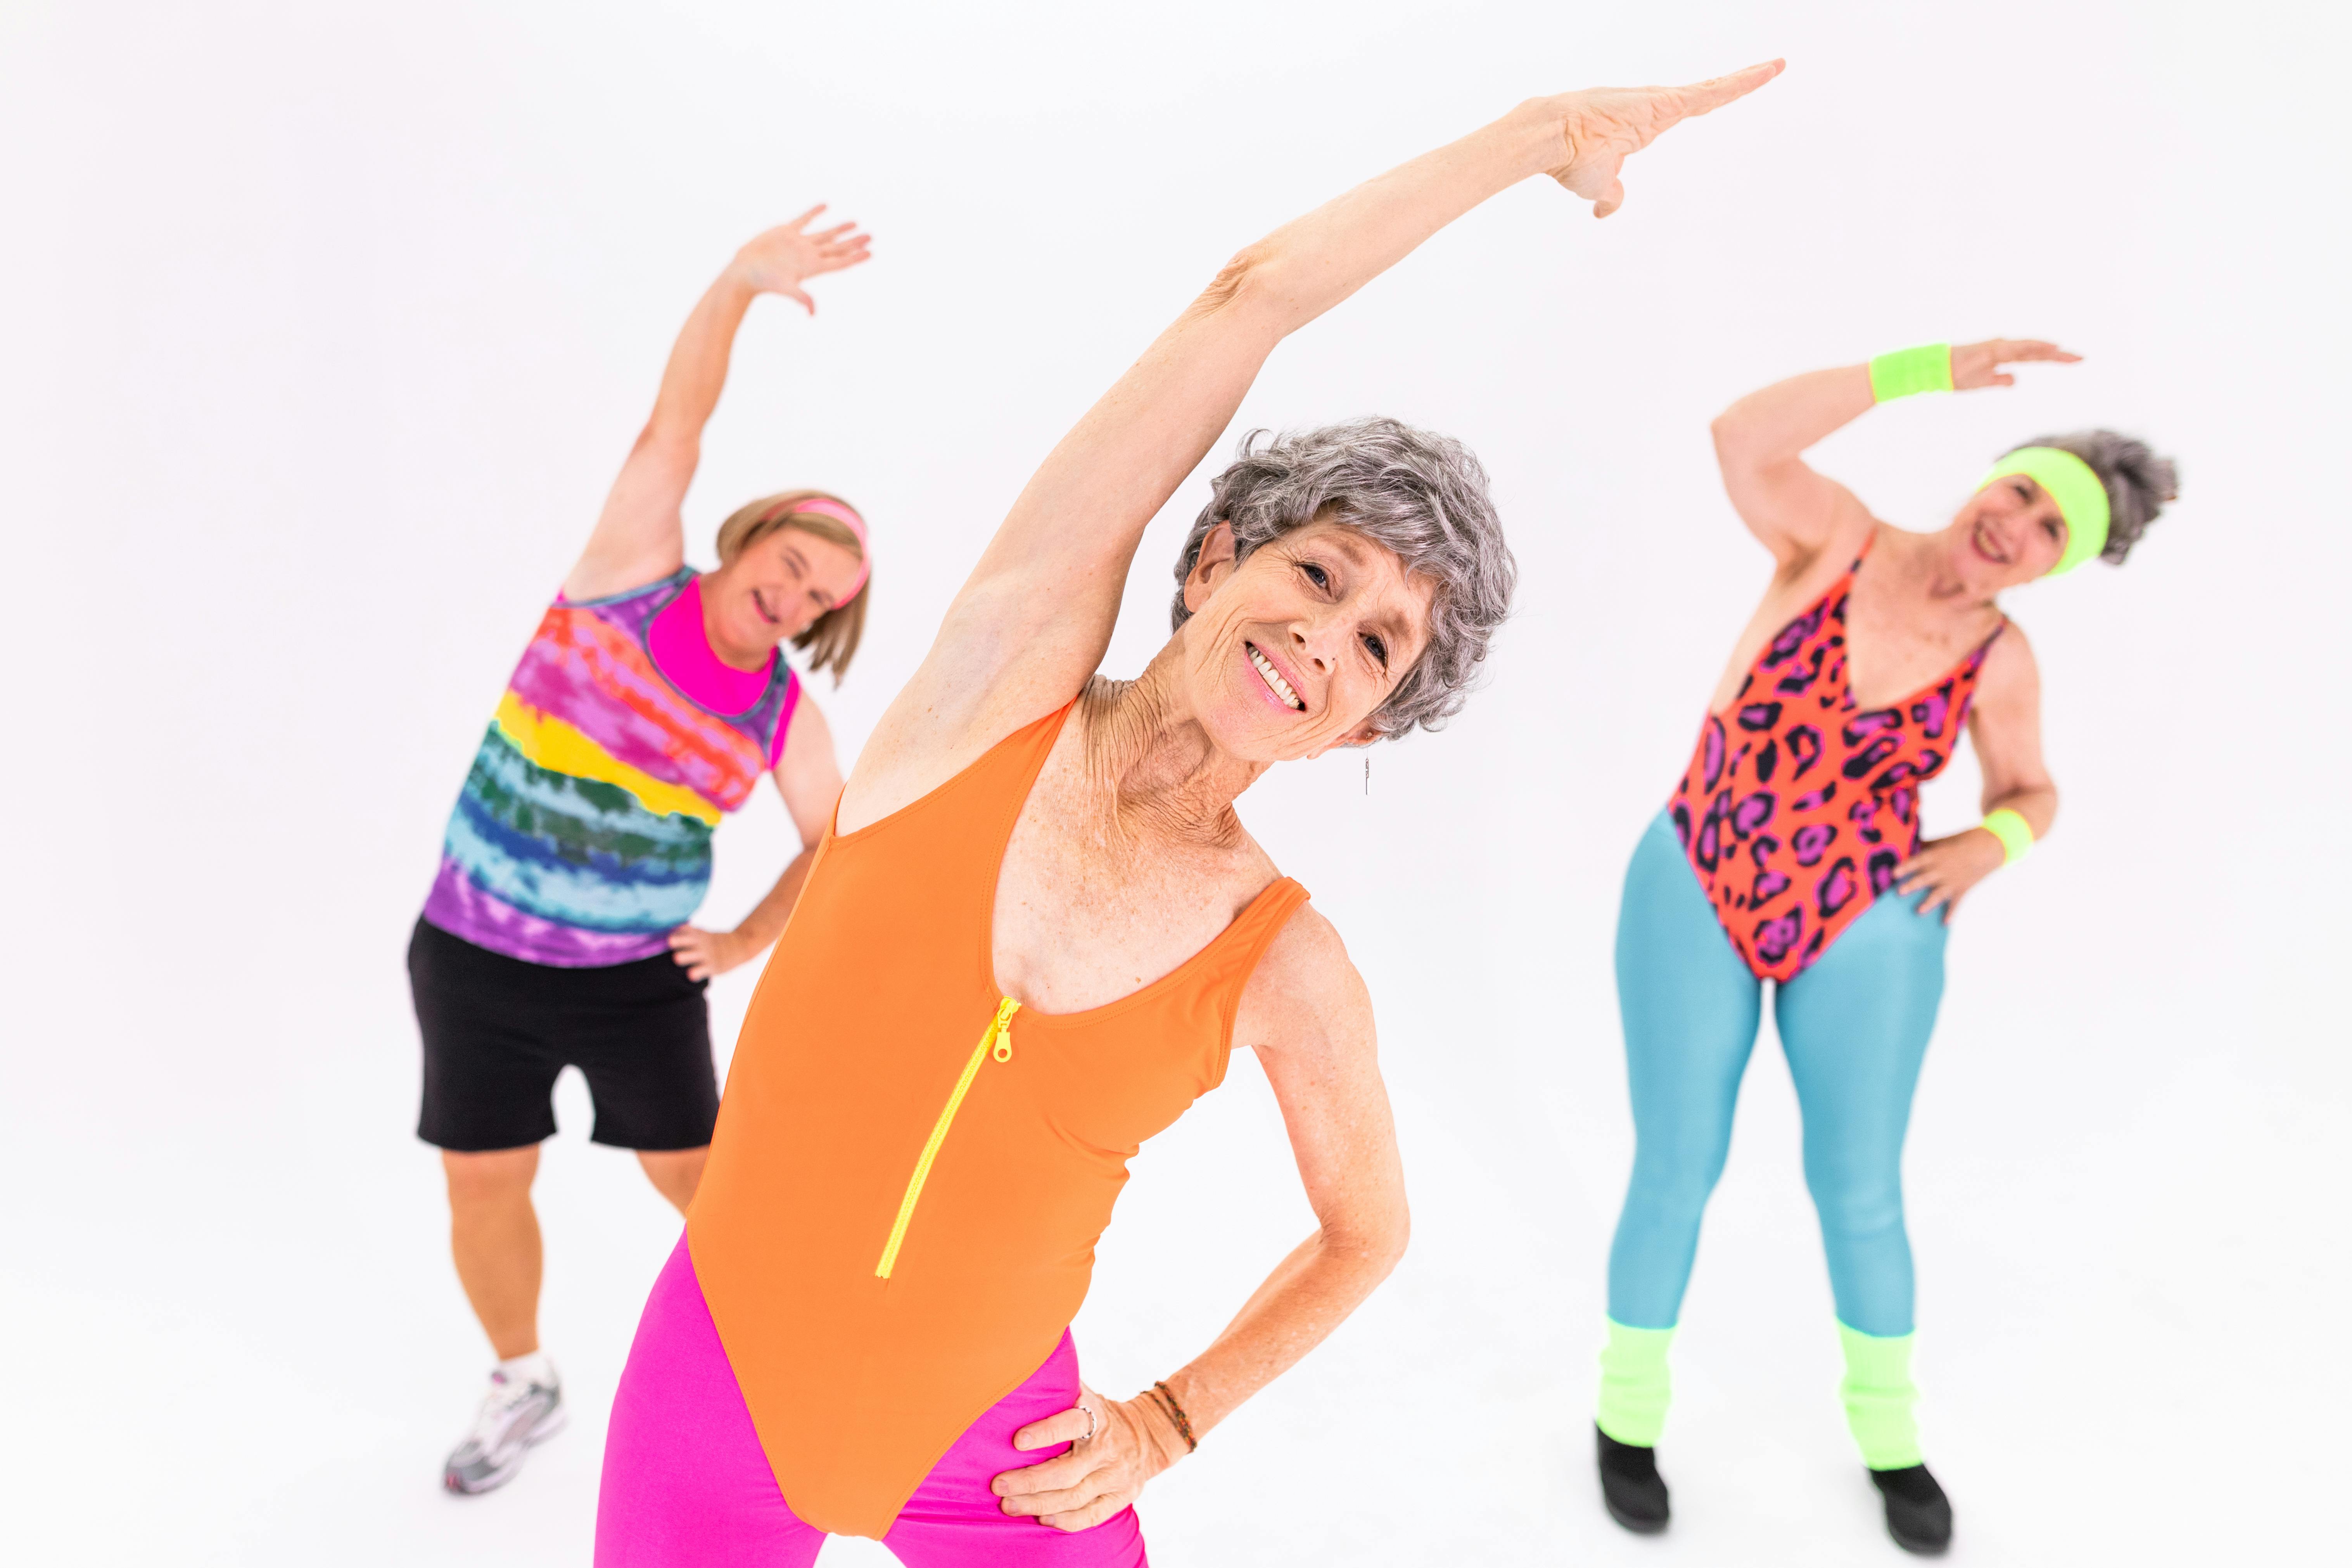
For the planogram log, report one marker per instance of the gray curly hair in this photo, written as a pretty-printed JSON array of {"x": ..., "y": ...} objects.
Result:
[
  {"x": 2137, "y": 482},
  {"x": 1421, "y": 496}
]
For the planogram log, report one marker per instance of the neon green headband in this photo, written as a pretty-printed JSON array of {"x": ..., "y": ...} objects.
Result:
[{"x": 2081, "y": 498}]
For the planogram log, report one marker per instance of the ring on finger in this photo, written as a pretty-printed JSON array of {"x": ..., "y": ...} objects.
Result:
[{"x": 1093, "y": 1423}]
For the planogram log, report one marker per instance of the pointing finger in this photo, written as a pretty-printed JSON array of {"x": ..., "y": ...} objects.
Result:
[{"x": 1716, "y": 91}]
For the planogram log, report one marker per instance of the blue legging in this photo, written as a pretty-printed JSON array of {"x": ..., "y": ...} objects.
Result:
[{"x": 1854, "y": 1026}]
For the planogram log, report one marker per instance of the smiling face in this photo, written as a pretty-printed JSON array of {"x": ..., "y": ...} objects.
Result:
[
  {"x": 776, "y": 587},
  {"x": 1292, "y": 651},
  {"x": 2010, "y": 532}
]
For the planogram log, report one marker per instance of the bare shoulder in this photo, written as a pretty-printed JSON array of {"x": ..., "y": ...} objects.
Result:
[
  {"x": 808, "y": 770},
  {"x": 808, "y": 727},
  {"x": 2009, "y": 668},
  {"x": 2012, "y": 649},
  {"x": 1306, "y": 997}
]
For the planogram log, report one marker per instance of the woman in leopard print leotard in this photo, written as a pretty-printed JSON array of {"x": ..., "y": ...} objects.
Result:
[{"x": 1791, "y": 851}]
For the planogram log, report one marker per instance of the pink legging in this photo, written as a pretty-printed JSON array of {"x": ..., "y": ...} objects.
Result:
[{"x": 686, "y": 1484}]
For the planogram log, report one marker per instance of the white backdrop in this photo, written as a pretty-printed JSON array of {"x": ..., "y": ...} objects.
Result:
[{"x": 325, "y": 329}]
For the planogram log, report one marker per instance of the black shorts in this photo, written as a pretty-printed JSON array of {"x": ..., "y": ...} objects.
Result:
[{"x": 498, "y": 1030}]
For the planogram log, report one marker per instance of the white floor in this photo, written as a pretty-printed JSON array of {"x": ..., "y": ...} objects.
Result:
[
  {"x": 327, "y": 326},
  {"x": 236, "y": 1337}
]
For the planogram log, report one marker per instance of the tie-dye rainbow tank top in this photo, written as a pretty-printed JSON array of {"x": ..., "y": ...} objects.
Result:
[{"x": 583, "y": 836}]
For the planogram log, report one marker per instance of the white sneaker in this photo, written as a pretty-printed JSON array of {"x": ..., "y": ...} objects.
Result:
[{"x": 516, "y": 1414}]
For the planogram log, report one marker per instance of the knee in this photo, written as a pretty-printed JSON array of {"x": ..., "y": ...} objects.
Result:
[
  {"x": 1853, "y": 1204},
  {"x": 487, "y": 1180},
  {"x": 1674, "y": 1188}
]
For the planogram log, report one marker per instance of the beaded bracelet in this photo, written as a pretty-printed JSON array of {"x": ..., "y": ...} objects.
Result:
[{"x": 1167, "y": 1398}]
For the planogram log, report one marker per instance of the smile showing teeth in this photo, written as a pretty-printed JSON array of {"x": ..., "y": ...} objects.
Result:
[
  {"x": 1272, "y": 679},
  {"x": 1987, "y": 548}
]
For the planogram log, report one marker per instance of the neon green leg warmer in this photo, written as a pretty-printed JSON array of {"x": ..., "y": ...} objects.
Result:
[
  {"x": 1633, "y": 1388},
  {"x": 1879, "y": 1394}
]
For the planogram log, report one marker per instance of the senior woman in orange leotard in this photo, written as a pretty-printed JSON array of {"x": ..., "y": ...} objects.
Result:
[{"x": 1037, "y": 928}]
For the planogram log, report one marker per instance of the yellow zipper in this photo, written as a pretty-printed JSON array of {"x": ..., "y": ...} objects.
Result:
[{"x": 999, "y": 1037}]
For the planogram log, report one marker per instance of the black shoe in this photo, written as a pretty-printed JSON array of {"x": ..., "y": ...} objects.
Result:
[
  {"x": 1631, "y": 1486},
  {"x": 1918, "y": 1515}
]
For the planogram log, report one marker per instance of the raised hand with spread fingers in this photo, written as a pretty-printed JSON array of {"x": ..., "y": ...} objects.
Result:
[{"x": 785, "y": 257}]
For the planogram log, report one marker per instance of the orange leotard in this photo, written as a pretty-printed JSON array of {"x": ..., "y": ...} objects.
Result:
[{"x": 909, "y": 1174}]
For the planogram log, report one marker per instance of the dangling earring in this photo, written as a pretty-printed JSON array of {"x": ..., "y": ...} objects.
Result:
[{"x": 1367, "y": 772}]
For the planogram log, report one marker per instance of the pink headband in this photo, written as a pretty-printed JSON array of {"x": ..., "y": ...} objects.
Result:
[{"x": 856, "y": 524}]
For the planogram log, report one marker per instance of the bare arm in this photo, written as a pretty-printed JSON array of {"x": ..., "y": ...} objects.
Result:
[
  {"x": 1307, "y": 1014},
  {"x": 1309, "y": 1019},
  {"x": 808, "y": 775},
  {"x": 1032, "y": 621},
  {"x": 2005, "y": 723},
  {"x": 1760, "y": 441},
  {"x": 639, "y": 536},
  {"x": 1795, "y": 512}
]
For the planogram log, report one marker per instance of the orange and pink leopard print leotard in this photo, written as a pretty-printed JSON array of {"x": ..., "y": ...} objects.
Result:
[{"x": 1798, "y": 806}]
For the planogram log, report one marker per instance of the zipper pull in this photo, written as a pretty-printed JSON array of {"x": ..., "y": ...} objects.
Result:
[{"x": 1002, "y": 1029}]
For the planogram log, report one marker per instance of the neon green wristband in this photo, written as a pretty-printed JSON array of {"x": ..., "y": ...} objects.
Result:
[
  {"x": 1907, "y": 370},
  {"x": 2015, "y": 834}
]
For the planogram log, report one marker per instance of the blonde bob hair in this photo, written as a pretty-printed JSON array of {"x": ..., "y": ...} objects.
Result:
[{"x": 831, "y": 641}]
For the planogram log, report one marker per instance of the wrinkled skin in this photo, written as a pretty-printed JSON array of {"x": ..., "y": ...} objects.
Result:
[{"x": 1335, "y": 614}]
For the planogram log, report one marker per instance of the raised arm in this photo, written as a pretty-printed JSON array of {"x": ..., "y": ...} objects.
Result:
[
  {"x": 639, "y": 536},
  {"x": 1306, "y": 1014},
  {"x": 1760, "y": 442},
  {"x": 1032, "y": 621}
]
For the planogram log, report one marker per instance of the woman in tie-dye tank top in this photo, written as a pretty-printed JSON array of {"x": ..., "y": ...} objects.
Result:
[
  {"x": 1791, "y": 850},
  {"x": 558, "y": 931}
]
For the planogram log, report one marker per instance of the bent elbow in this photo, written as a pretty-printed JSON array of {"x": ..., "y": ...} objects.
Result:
[
  {"x": 1384, "y": 1248},
  {"x": 1399, "y": 1237},
  {"x": 1732, "y": 437},
  {"x": 1367, "y": 1246},
  {"x": 1236, "y": 282},
  {"x": 662, "y": 439}
]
